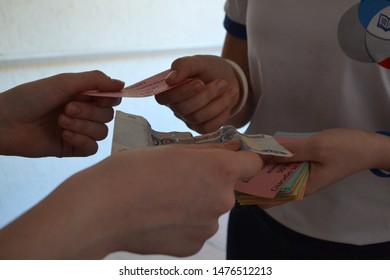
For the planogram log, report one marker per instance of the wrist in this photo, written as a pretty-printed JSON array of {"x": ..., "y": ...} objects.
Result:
[
  {"x": 243, "y": 82},
  {"x": 3, "y": 131},
  {"x": 383, "y": 169},
  {"x": 9, "y": 133}
]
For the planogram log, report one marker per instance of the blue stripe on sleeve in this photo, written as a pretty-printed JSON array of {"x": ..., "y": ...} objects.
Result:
[{"x": 234, "y": 28}]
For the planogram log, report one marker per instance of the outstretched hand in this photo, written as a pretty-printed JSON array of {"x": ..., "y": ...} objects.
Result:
[
  {"x": 50, "y": 117},
  {"x": 156, "y": 200}
]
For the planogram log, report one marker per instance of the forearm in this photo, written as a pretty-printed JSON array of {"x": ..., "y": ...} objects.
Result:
[
  {"x": 17, "y": 131},
  {"x": 381, "y": 151},
  {"x": 62, "y": 226},
  {"x": 4, "y": 131}
]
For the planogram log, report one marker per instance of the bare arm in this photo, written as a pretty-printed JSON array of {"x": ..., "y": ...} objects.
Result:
[{"x": 162, "y": 200}]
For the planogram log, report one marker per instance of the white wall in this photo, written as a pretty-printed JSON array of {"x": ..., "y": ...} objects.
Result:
[{"x": 127, "y": 39}]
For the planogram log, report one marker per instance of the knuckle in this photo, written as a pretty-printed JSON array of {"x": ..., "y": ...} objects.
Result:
[
  {"x": 210, "y": 126},
  {"x": 85, "y": 147},
  {"x": 181, "y": 108},
  {"x": 98, "y": 73},
  {"x": 178, "y": 63},
  {"x": 196, "y": 117},
  {"x": 81, "y": 126}
]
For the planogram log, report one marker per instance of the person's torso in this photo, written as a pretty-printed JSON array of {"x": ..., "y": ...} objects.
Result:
[{"x": 316, "y": 65}]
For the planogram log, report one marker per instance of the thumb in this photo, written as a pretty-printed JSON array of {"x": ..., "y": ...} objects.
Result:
[
  {"x": 184, "y": 68},
  {"x": 73, "y": 83},
  {"x": 233, "y": 145},
  {"x": 299, "y": 149},
  {"x": 249, "y": 164}
]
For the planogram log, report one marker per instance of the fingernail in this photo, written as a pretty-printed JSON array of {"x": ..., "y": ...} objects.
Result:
[
  {"x": 66, "y": 121},
  {"x": 221, "y": 84},
  {"x": 72, "y": 109},
  {"x": 172, "y": 75}
]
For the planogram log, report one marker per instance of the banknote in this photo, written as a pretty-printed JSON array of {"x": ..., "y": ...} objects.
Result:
[{"x": 135, "y": 131}]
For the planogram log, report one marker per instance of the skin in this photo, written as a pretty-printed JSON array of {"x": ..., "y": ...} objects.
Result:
[
  {"x": 338, "y": 153},
  {"x": 164, "y": 200},
  {"x": 50, "y": 117},
  {"x": 117, "y": 205}
]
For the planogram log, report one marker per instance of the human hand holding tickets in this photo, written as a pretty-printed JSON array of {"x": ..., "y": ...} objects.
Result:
[
  {"x": 160, "y": 200},
  {"x": 205, "y": 102},
  {"x": 335, "y": 154},
  {"x": 49, "y": 117}
]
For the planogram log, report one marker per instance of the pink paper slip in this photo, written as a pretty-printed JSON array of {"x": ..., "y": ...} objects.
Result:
[
  {"x": 148, "y": 87},
  {"x": 268, "y": 182},
  {"x": 271, "y": 178}
]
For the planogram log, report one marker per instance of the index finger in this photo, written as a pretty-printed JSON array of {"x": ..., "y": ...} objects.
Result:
[
  {"x": 180, "y": 93},
  {"x": 233, "y": 145},
  {"x": 93, "y": 80}
]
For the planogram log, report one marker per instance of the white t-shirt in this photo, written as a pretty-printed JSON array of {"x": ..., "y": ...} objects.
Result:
[{"x": 314, "y": 66}]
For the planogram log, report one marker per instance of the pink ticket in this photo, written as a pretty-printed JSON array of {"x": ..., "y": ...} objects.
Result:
[
  {"x": 148, "y": 87},
  {"x": 268, "y": 182}
]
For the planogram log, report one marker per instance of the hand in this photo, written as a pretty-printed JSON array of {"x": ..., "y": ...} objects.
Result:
[
  {"x": 204, "y": 103},
  {"x": 50, "y": 117},
  {"x": 163, "y": 200},
  {"x": 338, "y": 153}
]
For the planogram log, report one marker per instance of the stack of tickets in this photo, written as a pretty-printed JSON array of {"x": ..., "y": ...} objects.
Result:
[{"x": 276, "y": 183}]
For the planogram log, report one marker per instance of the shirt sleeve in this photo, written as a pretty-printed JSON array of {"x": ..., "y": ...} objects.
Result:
[{"x": 235, "y": 18}]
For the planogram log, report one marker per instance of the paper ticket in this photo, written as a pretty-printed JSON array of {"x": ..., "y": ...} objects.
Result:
[
  {"x": 259, "y": 143},
  {"x": 269, "y": 181},
  {"x": 148, "y": 87},
  {"x": 135, "y": 131},
  {"x": 275, "y": 183}
]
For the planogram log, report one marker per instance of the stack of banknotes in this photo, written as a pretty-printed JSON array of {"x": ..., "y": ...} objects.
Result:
[{"x": 275, "y": 183}]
